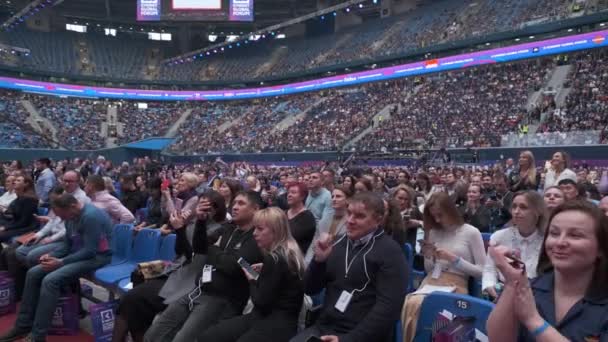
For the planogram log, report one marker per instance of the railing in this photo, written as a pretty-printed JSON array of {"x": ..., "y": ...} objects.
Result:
[{"x": 551, "y": 139}]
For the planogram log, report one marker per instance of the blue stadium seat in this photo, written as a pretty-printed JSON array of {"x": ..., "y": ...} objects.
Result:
[
  {"x": 456, "y": 304},
  {"x": 167, "y": 248},
  {"x": 122, "y": 243},
  {"x": 414, "y": 274},
  {"x": 43, "y": 211},
  {"x": 146, "y": 248},
  {"x": 486, "y": 239}
]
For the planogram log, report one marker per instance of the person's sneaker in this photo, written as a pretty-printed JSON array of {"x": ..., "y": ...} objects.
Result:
[{"x": 14, "y": 334}]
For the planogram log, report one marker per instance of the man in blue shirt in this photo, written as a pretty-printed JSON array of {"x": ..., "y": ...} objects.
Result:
[
  {"x": 319, "y": 198},
  {"x": 85, "y": 248},
  {"x": 45, "y": 181}
]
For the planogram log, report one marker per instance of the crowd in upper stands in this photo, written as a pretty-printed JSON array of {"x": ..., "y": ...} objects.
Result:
[
  {"x": 479, "y": 107},
  {"x": 295, "y": 226},
  {"x": 429, "y": 24}
]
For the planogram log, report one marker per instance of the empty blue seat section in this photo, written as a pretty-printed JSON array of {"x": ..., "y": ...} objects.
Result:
[{"x": 145, "y": 248}]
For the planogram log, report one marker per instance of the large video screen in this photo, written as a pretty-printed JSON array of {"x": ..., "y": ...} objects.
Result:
[
  {"x": 197, "y": 5},
  {"x": 195, "y": 10}
]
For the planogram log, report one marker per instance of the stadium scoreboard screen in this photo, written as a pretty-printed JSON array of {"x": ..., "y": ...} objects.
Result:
[{"x": 195, "y": 10}]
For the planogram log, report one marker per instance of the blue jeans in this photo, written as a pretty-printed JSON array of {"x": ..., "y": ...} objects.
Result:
[
  {"x": 29, "y": 255},
  {"x": 42, "y": 290}
]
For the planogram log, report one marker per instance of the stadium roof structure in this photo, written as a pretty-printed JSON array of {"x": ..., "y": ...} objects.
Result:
[{"x": 267, "y": 12}]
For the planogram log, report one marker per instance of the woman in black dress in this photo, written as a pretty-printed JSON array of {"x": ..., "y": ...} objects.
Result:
[{"x": 301, "y": 221}]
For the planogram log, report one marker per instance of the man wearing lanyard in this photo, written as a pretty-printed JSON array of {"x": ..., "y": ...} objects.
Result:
[
  {"x": 365, "y": 275},
  {"x": 86, "y": 248},
  {"x": 221, "y": 290}
]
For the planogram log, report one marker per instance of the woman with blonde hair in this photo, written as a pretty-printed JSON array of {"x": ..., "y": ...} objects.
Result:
[
  {"x": 529, "y": 218},
  {"x": 453, "y": 252},
  {"x": 526, "y": 177},
  {"x": 185, "y": 201},
  {"x": 277, "y": 287}
]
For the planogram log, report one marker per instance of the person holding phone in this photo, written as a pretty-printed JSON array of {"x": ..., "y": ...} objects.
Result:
[
  {"x": 221, "y": 289},
  {"x": 364, "y": 274},
  {"x": 525, "y": 236},
  {"x": 453, "y": 252},
  {"x": 276, "y": 286},
  {"x": 568, "y": 301}
]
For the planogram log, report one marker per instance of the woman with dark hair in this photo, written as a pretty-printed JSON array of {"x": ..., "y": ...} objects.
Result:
[
  {"x": 19, "y": 216},
  {"x": 453, "y": 252},
  {"x": 156, "y": 216},
  {"x": 348, "y": 182},
  {"x": 393, "y": 223},
  {"x": 139, "y": 306},
  {"x": 228, "y": 189},
  {"x": 568, "y": 301},
  {"x": 302, "y": 222},
  {"x": 363, "y": 184},
  {"x": 424, "y": 185}
]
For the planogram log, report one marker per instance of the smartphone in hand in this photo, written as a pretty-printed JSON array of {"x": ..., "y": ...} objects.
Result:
[{"x": 244, "y": 264}]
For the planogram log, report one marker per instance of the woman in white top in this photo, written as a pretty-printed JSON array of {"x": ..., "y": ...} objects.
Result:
[
  {"x": 453, "y": 252},
  {"x": 9, "y": 194},
  {"x": 559, "y": 169},
  {"x": 525, "y": 236}
]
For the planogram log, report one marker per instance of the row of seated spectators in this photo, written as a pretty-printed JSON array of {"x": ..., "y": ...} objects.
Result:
[
  {"x": 406, "y": 222},
  {"x": 428, "y": 24},
  {"x": 15, "y": 132}
]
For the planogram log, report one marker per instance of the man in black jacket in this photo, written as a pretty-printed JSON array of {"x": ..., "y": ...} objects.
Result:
[
  {"x": 364, "y": 275},
  {"x": 221, "y": 290}
]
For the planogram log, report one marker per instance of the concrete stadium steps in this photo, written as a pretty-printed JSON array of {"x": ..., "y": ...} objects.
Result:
[
  {"x": 39, "y": 124},
  {"x": 382, "y": 116},
  {"x": 291, "y": 120},
  {"x": 174, "y": 130}
]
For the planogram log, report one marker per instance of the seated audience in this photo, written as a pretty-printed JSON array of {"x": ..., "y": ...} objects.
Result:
[
  {"x": 130, "y": 196},
  {"x": 71, "y": 185},
  {"x": 525, "y": 236},
  {"x": 19, "y": 217},
  {"x": 185, "y": 200},
  {"x": 553, "y": 196},
  {"x": 567, "y": 301},
  {"x": 276, "y": 294},
  {"x": 155, "y": 216},
  {"x": 393, "y": 223},
  {"x": 138, "y": 307},
  {"x": 319, "y": 198},
  {"x": 221, "y": 289},
  {"x": 363, "y": 297},
  {"x": 86, "y": 247},
  {"x": 453, "y": 252},
  {"x": 302, "y": 222}
]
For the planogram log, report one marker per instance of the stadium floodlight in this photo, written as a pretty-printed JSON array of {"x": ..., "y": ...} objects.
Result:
[
  {"x": 212, "y": 37},
  {"x": 280, "y": 36}
]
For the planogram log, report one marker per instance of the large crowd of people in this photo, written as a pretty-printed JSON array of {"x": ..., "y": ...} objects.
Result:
[
  {"x": 486, "y": 106},
  {"x": 294, "y": 226}
]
